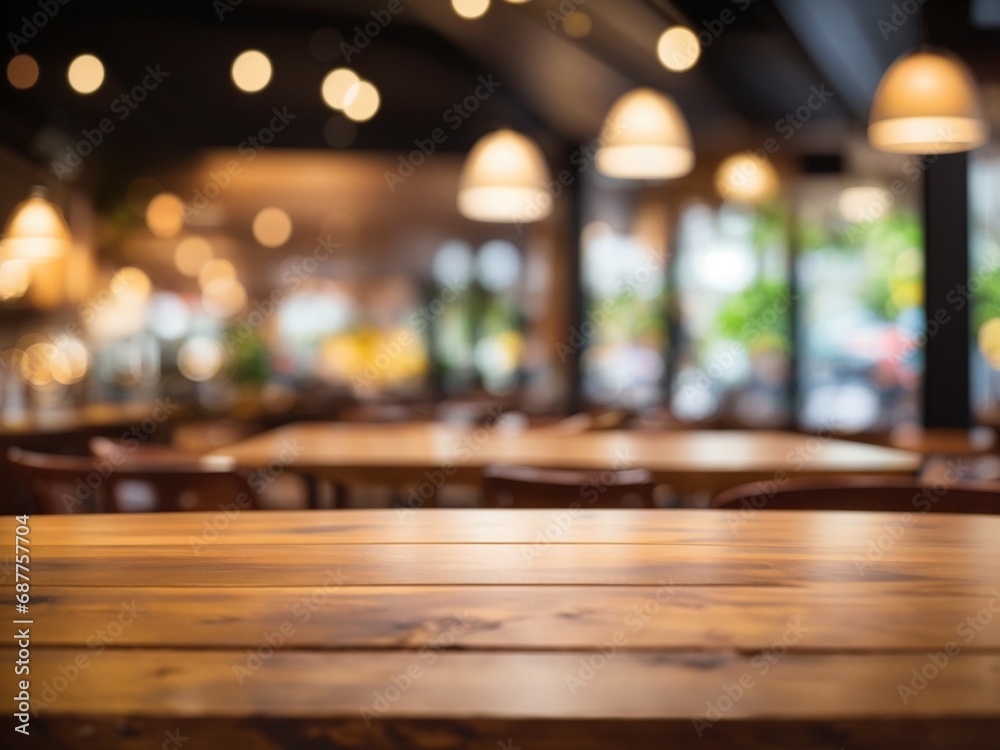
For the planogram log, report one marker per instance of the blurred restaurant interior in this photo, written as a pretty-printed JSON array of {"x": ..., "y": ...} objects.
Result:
[
  {"x": 243, "y": 241},
  {"x": 303, "y": 241}
]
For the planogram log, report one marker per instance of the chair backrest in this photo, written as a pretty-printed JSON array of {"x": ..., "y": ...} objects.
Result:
[
  {"x": 58, "y": 484},
  {"x": 507, "y": 486},
  {"x": 888, "y": 494},
  {"x": 73, "y": 484}
]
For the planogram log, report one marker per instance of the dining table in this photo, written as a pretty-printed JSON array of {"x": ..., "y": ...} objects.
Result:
[
  {"x": 436, "y": 453},
  {"x": 500, "y": 629}
]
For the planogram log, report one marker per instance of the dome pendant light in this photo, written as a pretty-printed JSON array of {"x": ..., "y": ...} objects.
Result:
[
  {"x": 927, "y": 103},
  {"x": 505, "y": 179},
  {"x": 36, "y": 230},
  {"x": 747, "y": 178},
  {"x": 645, "y": 137}
]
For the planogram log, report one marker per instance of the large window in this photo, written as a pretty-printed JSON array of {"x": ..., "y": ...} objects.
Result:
[
  {"x": 734, "y": 307},
  {"x": 984, "y": 284},
  {"x": 860, "y": 274}
]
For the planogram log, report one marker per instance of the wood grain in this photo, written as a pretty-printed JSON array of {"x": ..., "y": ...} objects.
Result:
[
  {"x": 511, "y": 685},
  {"x": 617, "y": 631},
  {"x": 137, "y": 732},
  {"x": 500, "y": 564},
  {"x": 840, "y": 617},
  {"x": 784, "y": 530}
]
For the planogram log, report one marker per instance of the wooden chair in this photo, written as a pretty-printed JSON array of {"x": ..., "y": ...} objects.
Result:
[
  {"x": 506, "y": 486},
  {"x": 58, "y": 484},
  {"x": 75, "y": 484},
  {"x": 894, "y": 495}
]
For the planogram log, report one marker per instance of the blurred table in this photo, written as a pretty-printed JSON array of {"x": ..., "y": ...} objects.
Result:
[
  {"x": 480, "y": 629},
  {"x": 690, "y": 460}
]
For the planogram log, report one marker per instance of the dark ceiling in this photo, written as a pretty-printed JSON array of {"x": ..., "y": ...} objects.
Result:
[{"x": 760, "y": 67}]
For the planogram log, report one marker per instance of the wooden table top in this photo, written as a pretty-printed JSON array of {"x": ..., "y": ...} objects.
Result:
[
  {"x": 690, "y": 459},
  {"x": 479, "y": 628},
  {"x": 77, "y": 418}
]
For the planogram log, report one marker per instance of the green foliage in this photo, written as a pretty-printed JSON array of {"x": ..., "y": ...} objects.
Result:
[
  {"x": 987, "y": 298},
  {"x": 756, "y": 316},
  {"x": 251, "y": 363}
]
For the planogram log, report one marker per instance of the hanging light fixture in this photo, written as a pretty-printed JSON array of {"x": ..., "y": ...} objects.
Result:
[
  {"x": 746, "y": 178},
  {"x": 505, "y": 179},
  {"x": 645, "y": 137},
  {"x": 927, "y": 102},
  {"x": 36, "y": 229}
]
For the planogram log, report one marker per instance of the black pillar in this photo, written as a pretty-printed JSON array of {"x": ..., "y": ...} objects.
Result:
[{"x": 946, "y": 243}]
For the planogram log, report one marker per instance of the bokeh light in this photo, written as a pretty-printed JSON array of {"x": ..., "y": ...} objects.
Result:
[
  {"x": 470, "y": 8},
  {"x": 746, "y": 177},
  {"x": 22, "y": 71},
  {"x": 498, "y": 265},
  {"x": 200, "y": 358},
  {"x": 130, "y": 286},
  {"x": 165, "y": 215},
  {"x": 251, "y": 71},
  {"x": 191, "y": 254},
  {"x": 224, "y": 297},
  {"x": 678, "y": 49},
  {"x": 989, "y": 342},
  {"x": 362, "y": 101},
  {"x": 218, "y": 268},
  {"x": 169, "y": 316},
  {"x": 272, "y": 227},
  {"x": 85, "y": 74},
  {"x": 336, "y": 86}
]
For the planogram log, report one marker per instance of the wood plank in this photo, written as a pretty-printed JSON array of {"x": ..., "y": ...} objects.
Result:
[
  {"x": 624, "y": 686},
  {"x": 499, "y": 564},
  {"x": 780, "y": 529},
  {"x": 93, "y": 732},
  {"x": 846, "y": 617}
]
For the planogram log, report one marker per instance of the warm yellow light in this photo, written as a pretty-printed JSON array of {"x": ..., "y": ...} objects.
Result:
[
  {"x": 678, "y": 48},
  {"x": 223, "y": 297},
  {"x": 341, "y": 359},
  {"x": 130, "y": 286},
  {"x": 362, "y": 101},
  {"x": 191, "y": 254},
  {"x": 470, "y": 8},
  {"x": 577, "y": 24},
  {"x": 165, "y": 215},
  {"x": 15, "y": 278},
  {"x": 22, "y": 71},
  {"x": 272, "y": 227},
  {"x": 85, "y": 74},
  {"x": 71, "y": 361},
  {"x": 989, "y": 342},
  {"x": 505, "y": 179},
  {"x": 336, "y": 86},
  {"x": 863, "y": 203},
  {"x": 251, "y": 71},
  {"x": 645, "y": 137},
  {"x": 36, "y": 230},
  {"x": 927, "y": 103},
  {"x": 746, "y": 178},
  {"x": 36, "y": 363},
  {"x": 199, "y": 358},
  {"x": 218, "y": 268}
]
